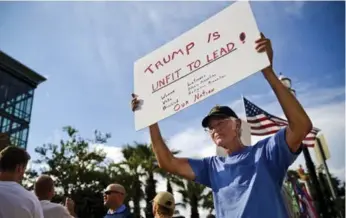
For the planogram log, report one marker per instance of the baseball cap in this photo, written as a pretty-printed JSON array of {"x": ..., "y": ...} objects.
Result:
[
  {"x": 218, "y": 111},
  {"x": 165, "y": 199}
]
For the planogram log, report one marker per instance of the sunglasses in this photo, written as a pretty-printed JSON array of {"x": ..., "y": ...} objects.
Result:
[{"x": 111, "y": 192}]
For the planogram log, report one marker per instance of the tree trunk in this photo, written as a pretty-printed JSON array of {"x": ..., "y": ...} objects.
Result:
[
  {"x": 150, "y": 192},
  {"x": 169, "y": 187},
  {"x": 194, "y": 206},
  {"x": 136, "y": 199}
]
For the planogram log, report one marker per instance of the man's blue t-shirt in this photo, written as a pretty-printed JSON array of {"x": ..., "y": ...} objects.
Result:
[
  {"x": 248, "y": 184},
  {"x": 121, "y": 212}
]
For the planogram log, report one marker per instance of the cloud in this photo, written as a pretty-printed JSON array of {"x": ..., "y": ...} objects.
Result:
[
  {"x": 192, "y": 142},
  {"x": 339, "y": 173},
  {"x": 330, "y": 118},
  {"x": 112, "y": 152},
  {"x": 295, "y": 8}
]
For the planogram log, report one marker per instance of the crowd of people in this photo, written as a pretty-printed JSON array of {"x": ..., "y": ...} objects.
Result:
[
  {"x": 246, "y": 183},
  {"x": 17, "y": 202}
]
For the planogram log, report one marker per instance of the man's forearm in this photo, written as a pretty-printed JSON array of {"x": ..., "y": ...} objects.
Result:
[
  {"x": 163, "y": 155},
  {"x": 297, "y": 118}
]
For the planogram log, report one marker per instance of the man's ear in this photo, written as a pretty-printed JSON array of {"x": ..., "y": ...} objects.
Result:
[
  {"x": 238, "y": 127},
  {"x": 238, "y": 122}
]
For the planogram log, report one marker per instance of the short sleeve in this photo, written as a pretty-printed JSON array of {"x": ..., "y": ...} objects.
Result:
[
  {"x": 279, "y": 155},
  {"x": 64, "y": 212},
  {"x": 38, "y": 211},
  {"x": 201, "y": 168}
]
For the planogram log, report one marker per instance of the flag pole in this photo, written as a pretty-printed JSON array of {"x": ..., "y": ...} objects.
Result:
[
  {"x": 244, "y": 110},
  {"x": 246, "y": 127}
]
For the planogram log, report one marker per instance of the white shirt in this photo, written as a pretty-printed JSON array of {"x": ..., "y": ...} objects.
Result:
[
  {"x": 54, "y": 210},
  {"x": 17, "y": 202}
]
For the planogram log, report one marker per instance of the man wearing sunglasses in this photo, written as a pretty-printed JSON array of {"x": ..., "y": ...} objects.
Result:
[
  {"x": 246, "y": 183},
  {"x": 114, "y": 197}
]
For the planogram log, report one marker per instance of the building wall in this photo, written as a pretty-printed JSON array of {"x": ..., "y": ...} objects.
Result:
[{"x": 16, "y": 98}]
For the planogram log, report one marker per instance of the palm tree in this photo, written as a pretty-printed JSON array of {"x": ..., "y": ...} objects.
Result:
[
  {"x": 169, "y": 186},
  {"x": 141, "y": 161},
  {"x": 208, "y": 202},
  {"x": 169, "y": 179},
  {"x": 130, "y": 169},
  {"x": 193, "y": 194},
  {"x": 150, "y": 167}
]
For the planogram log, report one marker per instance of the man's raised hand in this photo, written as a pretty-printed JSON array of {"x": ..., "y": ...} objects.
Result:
[
  {"x": 264, "y": 45},
  {"x": 135, "y": 102}
]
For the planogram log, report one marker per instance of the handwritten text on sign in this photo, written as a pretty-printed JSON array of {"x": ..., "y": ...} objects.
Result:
[{"x": 201, "y": 62}]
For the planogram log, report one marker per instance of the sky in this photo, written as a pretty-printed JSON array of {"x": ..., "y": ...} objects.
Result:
[{"x": 86, "y": 50}]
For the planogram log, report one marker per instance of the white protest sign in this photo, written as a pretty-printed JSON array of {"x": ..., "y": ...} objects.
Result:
[{"x": 208, "y": 58}]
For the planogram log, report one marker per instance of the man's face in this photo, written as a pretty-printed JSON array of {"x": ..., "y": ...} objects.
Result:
[
  {"x": 223, "y": 131},
  {"x": 112, "y": 197}
]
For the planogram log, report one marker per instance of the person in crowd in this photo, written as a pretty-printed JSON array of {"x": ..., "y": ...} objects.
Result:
[
  {"x": 114, "y": 197},
  {"x": 45, "y": 191},
  {"x": 210, "y": 216},
  {"x": 15, "y": 200},
  {"x": 163, "y": 205},
  {"x": 246, "y": 183}
]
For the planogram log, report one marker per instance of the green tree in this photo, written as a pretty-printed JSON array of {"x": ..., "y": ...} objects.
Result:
[
  {"x": 144, "y": 161},
  {"x": 154, "y": 168},
  {"x": 147, "y": 163},
  {"x": 132, "y": 166},
  {"x": 193, "y": 194},
  {"x": 169, "y": 186},
  {"x": 78, "y": 170},
  {"x": 169, "y": 177},
  {"x": 337, "y": 207},
  {"x": 29, "y": 179},
  {"x": 208, "y": 202}
]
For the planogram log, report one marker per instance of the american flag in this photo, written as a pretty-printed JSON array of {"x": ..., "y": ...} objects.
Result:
[
  {"x": 307, "y": 208},
  {"x": 263, "y": 123}
]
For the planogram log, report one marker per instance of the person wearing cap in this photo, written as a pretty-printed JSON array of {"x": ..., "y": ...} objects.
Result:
[
  {"x": 113, "y": 198},
  {"x": 163, "y": 205},
  {"x": 246, "y": 183}
]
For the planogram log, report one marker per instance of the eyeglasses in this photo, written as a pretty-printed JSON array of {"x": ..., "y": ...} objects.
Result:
[
  {"x": 218, "y": 125},
  {"x": 111, "y": 192}
]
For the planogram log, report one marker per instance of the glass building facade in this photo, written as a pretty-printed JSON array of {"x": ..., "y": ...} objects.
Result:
[{"x": 17, "y": 86}]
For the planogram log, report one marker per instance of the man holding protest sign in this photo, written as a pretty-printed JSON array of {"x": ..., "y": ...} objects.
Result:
[{"x": 247, "y": 183}]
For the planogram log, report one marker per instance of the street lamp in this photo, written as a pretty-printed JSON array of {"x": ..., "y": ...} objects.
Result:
[
  {"x": 287, "y": 83},
  {"x": 308, "y": 161}
]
